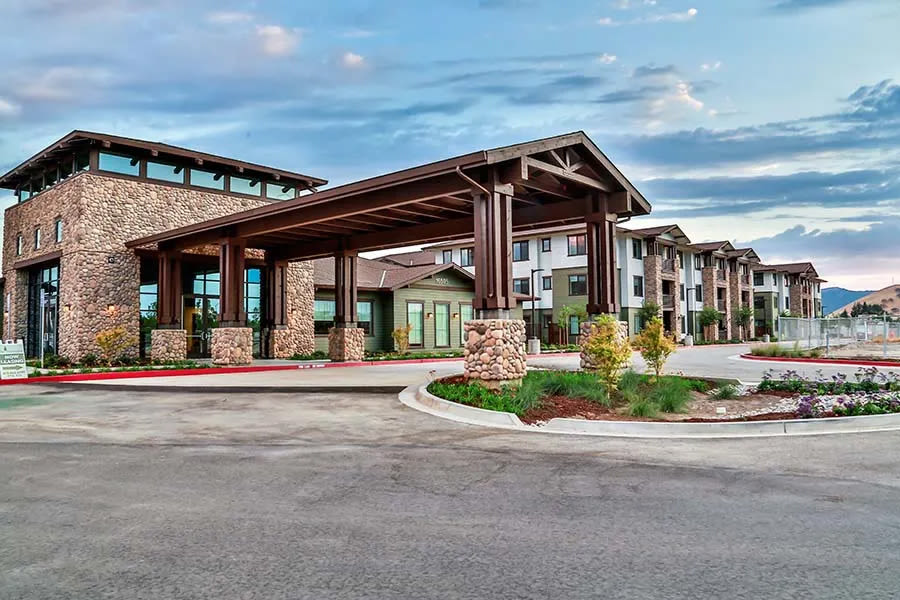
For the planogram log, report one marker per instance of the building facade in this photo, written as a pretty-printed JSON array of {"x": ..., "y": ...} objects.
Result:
[
  {"x": 80, "y": 200},
  {"x": 792, "y": 289}
]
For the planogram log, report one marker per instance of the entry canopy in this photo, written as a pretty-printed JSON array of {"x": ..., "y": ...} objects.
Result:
[{"x": 552, "y": 181}]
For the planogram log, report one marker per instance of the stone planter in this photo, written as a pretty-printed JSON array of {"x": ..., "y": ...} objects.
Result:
[
  {"x": 495, "y": 351},
  {"x": 168, "y": 345},
  {"x": 232, "y": 346}
]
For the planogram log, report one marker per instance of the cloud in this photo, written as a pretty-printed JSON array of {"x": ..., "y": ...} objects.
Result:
[
  {"x": 673, "y": 17},
  {"x": 607, "y": 59},
  {"x": 62, "y": 83},
  {"x": 277, "y": 40},
  {"x": 712, "y": 66},
  {"x": 798, "y": 5},
  {"x": 351, "y": 60},
  {"x": 651, "y": 70},
  {"x": 8, "y": 108},
  {"x": 229, "y": 17},
  {"x": 357, "y": 33}
]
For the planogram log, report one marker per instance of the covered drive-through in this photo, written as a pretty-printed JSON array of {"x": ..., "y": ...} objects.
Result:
[{"x": 491, "y": 193}]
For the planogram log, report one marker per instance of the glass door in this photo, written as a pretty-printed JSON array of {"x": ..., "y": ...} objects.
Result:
[{"x": 200, "y": 316}]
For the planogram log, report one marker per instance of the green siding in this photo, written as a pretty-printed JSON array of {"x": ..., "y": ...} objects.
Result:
[
  {"x": 380, "y": 330},
  {"x": 561, "y": 295}
]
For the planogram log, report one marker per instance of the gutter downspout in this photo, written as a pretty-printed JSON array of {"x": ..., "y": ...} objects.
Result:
[{"x": 472, "y": 182}]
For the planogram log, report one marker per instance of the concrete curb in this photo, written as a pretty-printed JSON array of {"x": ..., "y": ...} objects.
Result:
[
  {"x": 230, "y": 389},
  {"x": 417, "y": 397},
  {"x": 824, "y": 361}
]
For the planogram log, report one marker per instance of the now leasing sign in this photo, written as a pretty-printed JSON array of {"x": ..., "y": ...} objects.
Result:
[{"x": 12, "y": 360}]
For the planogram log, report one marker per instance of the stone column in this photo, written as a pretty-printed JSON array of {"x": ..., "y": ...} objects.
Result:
[
  {"x": 168, "y": 345},
  {"x": 653, "y": 291},
  {"x": 232, "y": 346},
  {"x": 734, "y": 293},
  {"x": 586, "y": 330},
  {"x": 676, "y": 294},
  {"x": 495, "y": 351},
  {"x": 346, "y": 344},
  {"x": 708, "y": 277}
]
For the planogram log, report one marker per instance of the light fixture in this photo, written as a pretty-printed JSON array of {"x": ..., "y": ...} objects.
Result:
[
  {"x": 429, "y": 315},
  {"x": 67, "y": 307},
  {"x": 455, "y": 315},
  {"x": 110, "y": 309}
]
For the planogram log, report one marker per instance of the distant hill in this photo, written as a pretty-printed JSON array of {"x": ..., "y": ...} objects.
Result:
[
  {"x": 836, "y": 298},
  {"x": 888, "y": 298}
]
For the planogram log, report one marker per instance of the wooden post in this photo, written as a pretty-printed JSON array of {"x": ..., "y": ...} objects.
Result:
[
  {"x": 231, "y": 285},
  {"x": 345, "y": 289},
  {"x": 603, "y": 295},
  {"x": 276, "y": 293},
  {"x": 493, "y": 252},
  {"x": 169, "y": 290}
]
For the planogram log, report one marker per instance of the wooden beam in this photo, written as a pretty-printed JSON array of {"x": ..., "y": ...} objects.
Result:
[
  {"x": 546, "y": 167},
  {"x": 562, "y": 164}
]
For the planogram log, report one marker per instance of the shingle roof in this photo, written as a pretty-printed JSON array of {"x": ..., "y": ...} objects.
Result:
[
  {"x": 791, "y": 268},
  {"x": 379, "y": 275},
  {"x": 410, "y": 259}
]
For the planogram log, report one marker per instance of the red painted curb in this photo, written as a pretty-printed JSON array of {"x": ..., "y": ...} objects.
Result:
[
  {"x": 148, "y": 373},
  {"x": 825, "y": 361}
]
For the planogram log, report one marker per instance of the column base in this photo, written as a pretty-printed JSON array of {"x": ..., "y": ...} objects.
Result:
[
  {"x": 232, "y": 346},
  {"x": 280, "y": 343},
  {"x": 586, "y": 362},
  {"x": 495, "y": 351},
  {"x": 346, "y": 344},
  {"x": 168, "y": 345}
]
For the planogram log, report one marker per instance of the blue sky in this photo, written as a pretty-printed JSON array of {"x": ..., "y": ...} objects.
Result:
[{"x": 774, "y": 123}]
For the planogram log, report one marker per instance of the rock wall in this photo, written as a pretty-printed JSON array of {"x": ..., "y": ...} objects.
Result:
[
  {"x": 232, "y": 346},
  {"x": 168, "y": 344},
  {"x": 346, "y": 344},
  {"x": 495, "y": 351}
]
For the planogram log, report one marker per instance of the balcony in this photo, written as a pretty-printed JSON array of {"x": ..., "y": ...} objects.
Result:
[
  {"x": 668, "y": 265},
  {"x": 745, "y": 279},
  {"x": 720, "y": 274},
  {"x": 720, "y": 303},
  {"x": 668, "y": 301}
]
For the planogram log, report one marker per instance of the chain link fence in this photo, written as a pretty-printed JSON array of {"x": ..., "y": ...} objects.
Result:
[{"x": 851, "y": 337}]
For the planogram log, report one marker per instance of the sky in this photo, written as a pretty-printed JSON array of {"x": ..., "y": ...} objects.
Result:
[{"x": 771, "y": 123}]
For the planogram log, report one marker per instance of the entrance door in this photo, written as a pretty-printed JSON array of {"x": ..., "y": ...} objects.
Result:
[{"x": 200, "y": 316}]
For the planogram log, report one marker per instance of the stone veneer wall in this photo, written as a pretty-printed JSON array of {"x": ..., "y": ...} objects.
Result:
[
  {"x": 347, "y": 343},
  {"x": 734, "y": 294},
  {"x": 652, "y": 279},
  {"x": 100, "y": 213},
  {"x": 232, "y": 346},
  {"x": 168, "y": 344},
  {"x": 710, "y": 288},
  {"x": 495, "y": 351}
]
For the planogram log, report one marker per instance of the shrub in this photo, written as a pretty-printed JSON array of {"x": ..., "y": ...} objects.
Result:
[
  {"x": 89, "y": 360},
  {"x": 655, "y": 345},
  {"x": 671, "y": 395},
  {"x": 607, "y": 350},
  {"x": 317, "y": 355},
  {"x": 401, "y": 337},
  {"x": 649, "y": 310},
  {"x": 725, "y": 392},
  {"x": 113, "y": 342},
  {"x": 642, "y": 406}
]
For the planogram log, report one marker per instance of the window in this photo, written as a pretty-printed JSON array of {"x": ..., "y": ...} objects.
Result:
[
  {"x": 415, "y": 316},
  {"x": 37, "y": 186},
  {"x": 148, "y": 316},
  {"x": 467, "y": 257},
  {"x": 279, "y": 191},
  {"x": 65, "y": 169},
  {"x": 50, "y": 177},
  {"x": 787, "y": 303},
  {"x": 213, "y": 181},
  {"x": 206, "y": 283},
  {"x": 116, "y": 163},
  {"x": 759, "y": 302},
  {"x": 574, "y": 325},
  {"x": 323, "y": 316},
  {"x": 466, "y": 313},
  {"x": 638, "y": 286},
  {"x": 82, "y": 162},
  {"x": 637, "y": 249},
  {"x": 37, "y": 238},
  {"x": 253, "y": 305},
  {"x": 680, "y": 259},
  {"x": 239, "y": 185},
  {"x": 364, "y": 316},
  {"x": 19, "y": 245},
  {"x": 442, "y": 324},
  {"x": 164, "y": 172},
  {"x": 545, "y": 244},
  {"x": 547, "y": 282},
  {"x": 521, "y": 286},
  {"x": 698, "y": 293},
  {"x": 758, "y": 279},
  {"x": 698, "y": 261},
  {"x": 578, "y": 244},
  {"x": 447, "y": 256},
  {"x": 681, "y": 291},
  {"x": 520, "y": 251},
  {"x": 24, "y": 193},
  {"x": 58, "y": 227},
  {"x": 578, "y": 285}
]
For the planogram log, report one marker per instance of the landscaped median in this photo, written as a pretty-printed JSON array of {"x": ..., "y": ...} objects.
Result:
[
  {"x": 778, "y": 353},
  {"x": 571, "y": 402}
]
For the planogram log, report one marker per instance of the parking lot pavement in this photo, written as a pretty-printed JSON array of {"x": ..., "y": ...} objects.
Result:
[{"x": 224, "y": 496}]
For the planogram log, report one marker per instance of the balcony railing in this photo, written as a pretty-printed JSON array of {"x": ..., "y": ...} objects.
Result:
[
  {"x": 721, "y": 304},
  {"x": 668, "y": 301},
  {"x": 668, "y": 265},
  {"x": 720, "y": 274},
  {"x": 745, "y": 279}
]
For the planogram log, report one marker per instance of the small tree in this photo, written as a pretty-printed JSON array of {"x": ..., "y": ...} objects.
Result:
[
  {"x": 649, "y": 310},
  {"x": 401, "y": 337},
  {"x": 708, "y": 317},
  {"x": 607, "y": 350},
  {"x": 655, "y": 345},
  {"x": 742, "y": 318},
  {"x": 568, "y": 311},
  {"x": 113, "y": 342}
]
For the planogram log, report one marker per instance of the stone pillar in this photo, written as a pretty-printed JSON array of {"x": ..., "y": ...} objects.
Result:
[
  {"x": 168, "y": 345},
  {"x": 495, "y": 351},
  {"x": 676, "y": 293},
  {"x": 281, "y": 343},
  {"x": 232, "y": 346},
  {"x": 586, "y": 331},
  {"x": 734, "y": 293},
  {"x": 708, "y": 277},
  {"x": 653, "y": 279},
  {"x": 346, "y": 344}
]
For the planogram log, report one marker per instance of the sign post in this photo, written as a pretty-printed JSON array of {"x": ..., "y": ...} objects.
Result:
[
  {"x": 12, "y": 360},
  {"x": 43, "y": 342}
]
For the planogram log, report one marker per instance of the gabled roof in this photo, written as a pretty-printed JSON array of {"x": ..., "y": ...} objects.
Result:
[
  {"x": 410, "y": 259},
  {"x": 747, "y": 253},
  {"x": 801, "y": 268},
  {"x": 79, "y": 140},
  {"x": 650, "y": 232},
  {"x": 383, "y": 276},
  {"x": 722, "y": 247}
]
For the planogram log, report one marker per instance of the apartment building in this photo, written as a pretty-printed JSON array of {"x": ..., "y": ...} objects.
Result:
[
  {"x": 793, "y": 289},
  {"x": 658, "y": 264}
]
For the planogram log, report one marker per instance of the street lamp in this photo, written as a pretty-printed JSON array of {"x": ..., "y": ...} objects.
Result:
[{"x": 535, "y": 341}]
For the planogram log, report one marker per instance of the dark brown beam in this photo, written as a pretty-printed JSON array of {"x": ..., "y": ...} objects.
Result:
[
  {"x": 601, "y": 256},
  {"x": 345, "y": 293},
  {"x": 169, "y": 290},
  {"x": 231, "y": 284},
  {"x": 493, "y": 253}
]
